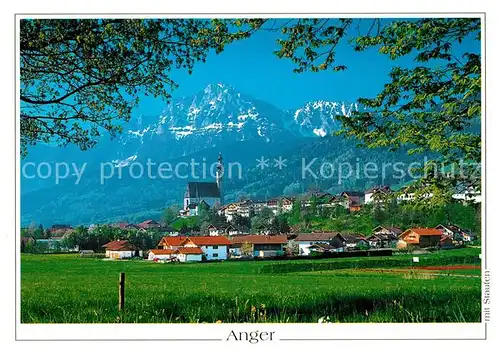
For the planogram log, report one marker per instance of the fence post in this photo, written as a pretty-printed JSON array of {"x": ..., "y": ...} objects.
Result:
[{"x": 121, "y": 292}]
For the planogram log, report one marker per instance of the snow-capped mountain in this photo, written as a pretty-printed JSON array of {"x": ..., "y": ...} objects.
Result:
[
  {"x": 318, "y": 118},
  {"x": 220, "y": 114},
  {"x": 214, "y": 116}
]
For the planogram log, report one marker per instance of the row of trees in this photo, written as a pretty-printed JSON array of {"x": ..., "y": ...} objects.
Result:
[
  {"x": 93, "y": 239},
  {"x": 389, "y": 213}
]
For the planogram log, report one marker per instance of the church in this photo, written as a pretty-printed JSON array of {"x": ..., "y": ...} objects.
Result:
[{"x": 206, "y": 194}]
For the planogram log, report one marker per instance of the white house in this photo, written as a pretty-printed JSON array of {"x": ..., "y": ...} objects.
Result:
[
  {"x": 376, "y": 194},
  {"x": 468, "y": 196},
  {"x": 121, "y": 249},
  {"x": 212, "y": 247}
]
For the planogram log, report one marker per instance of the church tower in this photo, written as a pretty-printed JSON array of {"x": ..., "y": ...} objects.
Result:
[{"x": 220, "y": 172}]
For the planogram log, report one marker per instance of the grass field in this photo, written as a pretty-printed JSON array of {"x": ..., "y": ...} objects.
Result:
[{"x": 70, "y": 289}]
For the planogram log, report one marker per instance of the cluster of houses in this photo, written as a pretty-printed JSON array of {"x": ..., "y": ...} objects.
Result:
[
  {"x": 206, "y": 195},
  {"x": 222, "y": 247},
  {"x": 210, "y": 194}
]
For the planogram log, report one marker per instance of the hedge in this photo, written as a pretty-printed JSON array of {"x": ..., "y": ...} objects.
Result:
[{"x": 369, "y": 263}]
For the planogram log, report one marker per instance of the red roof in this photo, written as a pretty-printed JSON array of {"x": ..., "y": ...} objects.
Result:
[
  {"x": 148, "y": 222},
  {"x": 260, "y": 239},
  {"x": 210, "y": 240},
  {"x": 162, "y": 251},
  {"x": 189, "y": 250},
  {"x": 172, "y": 241},
  {"x": 119, "y": 245},
  {"x": 427, "y": 231}
]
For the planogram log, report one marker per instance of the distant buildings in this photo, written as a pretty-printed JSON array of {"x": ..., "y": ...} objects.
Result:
[
  {"x": 377, "y": 194},
  {"x": 352, "y": 200}
]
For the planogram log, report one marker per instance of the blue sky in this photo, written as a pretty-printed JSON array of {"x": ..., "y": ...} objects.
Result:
[{"x": 252, "y": 68}]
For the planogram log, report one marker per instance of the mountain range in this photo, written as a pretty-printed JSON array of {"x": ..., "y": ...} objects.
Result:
[{"x": 218, "y": 119}]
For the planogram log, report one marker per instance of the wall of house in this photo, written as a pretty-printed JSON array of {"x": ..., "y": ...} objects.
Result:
[
  {"x": 219, "y": 253},
  {"x": 412, "y": 238},
  {"x": 429, "y": 241},
  {"x": 192, "y": 257},
  {"x": 152, "y": 256},
  {"x": 119, "y": 254},
  {"x": 303, "y": 246},
  {"x": 267, "y": 250}
]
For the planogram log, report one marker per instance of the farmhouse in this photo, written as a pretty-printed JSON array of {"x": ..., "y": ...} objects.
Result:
[
  {"x": 121, "y": 249},
  {"x": 455, "y": 233},
  {"x": 422, "y": 237},
  {"x": 212, "y": 247},
  {"x": 258, "y": 245},
  {"x": 351, "y": 240},
  {"x": 306, "y": 240},
  {"x": 384, "y": 237}
]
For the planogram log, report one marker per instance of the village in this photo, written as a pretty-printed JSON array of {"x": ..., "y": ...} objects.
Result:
[
  {"x": 232, "y": 240},
  {"x": 234, "y": 236}
]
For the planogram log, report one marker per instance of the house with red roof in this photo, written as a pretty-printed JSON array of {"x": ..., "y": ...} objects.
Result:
[
  {"x": 148, "y": 224},
  {"x": 210, "y": 247},
  {"x": 422, "y": 237},
  {"x": 121, "y": 249}
]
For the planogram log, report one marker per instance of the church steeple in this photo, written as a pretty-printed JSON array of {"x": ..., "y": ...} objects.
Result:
[{"x": 220, "y": 172}]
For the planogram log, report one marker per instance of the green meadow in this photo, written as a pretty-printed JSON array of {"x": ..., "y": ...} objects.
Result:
[{"x": 68, "y": 289}]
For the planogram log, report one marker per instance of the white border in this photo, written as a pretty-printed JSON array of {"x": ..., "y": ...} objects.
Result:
[{"x": 170, "y": 332}]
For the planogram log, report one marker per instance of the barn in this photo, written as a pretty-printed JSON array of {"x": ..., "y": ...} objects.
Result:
[{"x": 422, "y": 237}]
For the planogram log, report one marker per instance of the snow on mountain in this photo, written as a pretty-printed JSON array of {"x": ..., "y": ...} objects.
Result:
[
  {"x": 216, "y": 115},
  {"x": 219, "y": 114},
  {"x": 319, "y": 117},
  {"x": 126, "y": 162}
]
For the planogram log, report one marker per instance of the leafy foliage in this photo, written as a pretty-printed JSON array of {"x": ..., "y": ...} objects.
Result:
[
  {"x": 389, "y": 213},
  {"x": 81, "y": 76}
]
